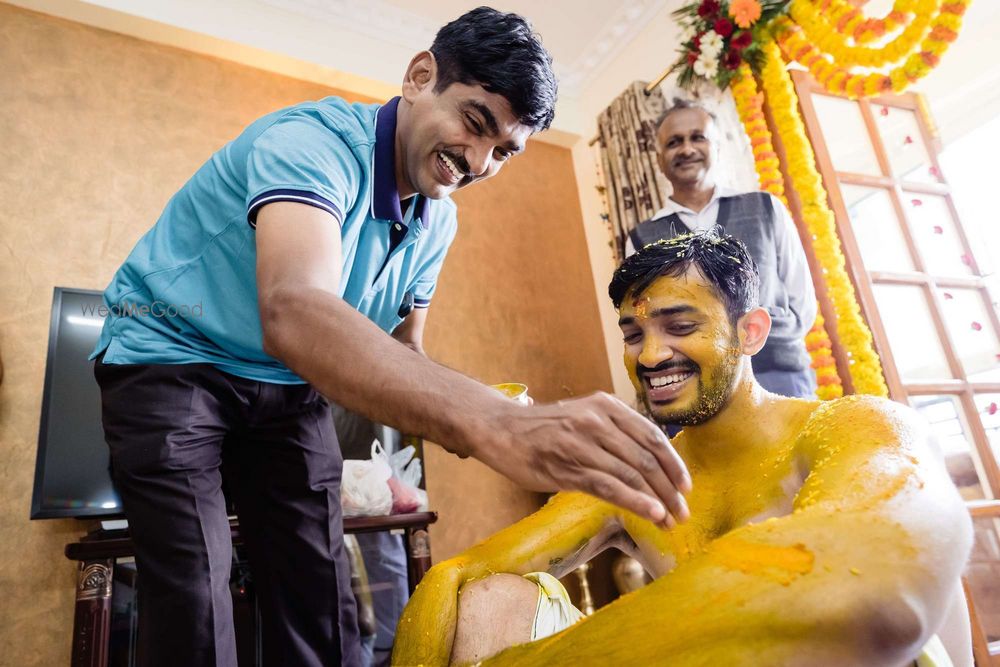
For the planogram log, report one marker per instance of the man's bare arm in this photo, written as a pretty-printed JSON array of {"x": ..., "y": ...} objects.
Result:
[
  {"x": 860, "y": 573},
  {"x": 595, "y": 444}
]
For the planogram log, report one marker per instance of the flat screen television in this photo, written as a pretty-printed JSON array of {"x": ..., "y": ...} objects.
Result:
[{"x": 71, "y": 469}]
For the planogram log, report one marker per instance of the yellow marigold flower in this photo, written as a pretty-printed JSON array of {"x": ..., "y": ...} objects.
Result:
[{"x": 744, "y": 12}]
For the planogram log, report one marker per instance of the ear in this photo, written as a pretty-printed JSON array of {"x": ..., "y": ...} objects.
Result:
[
  {"x": 420, "y": 75},
  {"x": 753, "y": 329}
]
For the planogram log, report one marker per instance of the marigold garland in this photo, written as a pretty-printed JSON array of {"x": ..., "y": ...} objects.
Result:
[
  {"x": 820, "y": 30},
  {"x": 864, "y": 365},
  {"x": 850, "y": 22},
  {"x": 839, "y": 80},
  {"x": 750, "y": 105},
  {"x": 826, "y": 36}
]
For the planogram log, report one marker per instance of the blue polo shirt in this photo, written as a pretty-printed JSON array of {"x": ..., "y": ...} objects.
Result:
[{"x": 188, "y": 293}]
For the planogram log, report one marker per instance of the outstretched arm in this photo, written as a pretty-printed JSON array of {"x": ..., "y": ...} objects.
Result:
[
  {"x": 595, "y": 444},
  {"x": 858, "y": 574},
  {"x": 568, "y": 529}
]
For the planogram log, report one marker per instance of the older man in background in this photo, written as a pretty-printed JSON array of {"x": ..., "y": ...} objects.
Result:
[{"x": 687, "y": 141}]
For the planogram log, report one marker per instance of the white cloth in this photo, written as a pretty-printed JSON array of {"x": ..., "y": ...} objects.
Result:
[
  {"x": 555, "y": 612},
  {"x": 793, "y": 269}
]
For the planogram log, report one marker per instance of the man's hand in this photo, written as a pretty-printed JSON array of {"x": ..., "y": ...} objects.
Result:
[
  {"x": 594, "y": 444},
  {"x": 597, "y": 445}
]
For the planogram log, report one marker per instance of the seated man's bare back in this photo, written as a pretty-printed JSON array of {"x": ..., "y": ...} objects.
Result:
[{"x": 819, "y": 533}]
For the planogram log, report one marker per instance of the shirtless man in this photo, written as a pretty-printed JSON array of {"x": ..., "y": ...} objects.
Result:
[{"x": 819, "y": 533}]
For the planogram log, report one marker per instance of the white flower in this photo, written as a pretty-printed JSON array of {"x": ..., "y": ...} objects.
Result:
[
  {"x": 687, "y": 33},
  {"x": 711, "y": 42},
  {"x": 707, "y": 65}
]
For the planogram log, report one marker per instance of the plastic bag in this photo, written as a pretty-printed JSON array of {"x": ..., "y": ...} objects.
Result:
[
  {"x": 364, "y": 489},
  {"x": 406, "y": 472}
]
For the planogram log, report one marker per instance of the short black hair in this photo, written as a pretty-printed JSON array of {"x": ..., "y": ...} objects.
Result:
[
  {"x": 500, "y": 52},
  {"x": 722, "y": 259}
]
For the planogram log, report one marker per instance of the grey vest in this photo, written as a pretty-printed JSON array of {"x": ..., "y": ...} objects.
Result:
[{"x": 750, "y": 218}]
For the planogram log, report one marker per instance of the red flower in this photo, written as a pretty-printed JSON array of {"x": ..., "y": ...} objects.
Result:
[
  {"x": 723, "y": 26},
  {"x": 696, "y": 42},
  {"x": 742, "y": 40},
  {"x": 692, "y": 57},
  {"x": 708, "y": 8},
  {"x": 733, "y": 60}
]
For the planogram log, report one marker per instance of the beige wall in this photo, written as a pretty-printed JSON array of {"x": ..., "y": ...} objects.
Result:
[{"x": 97, "y": 130}]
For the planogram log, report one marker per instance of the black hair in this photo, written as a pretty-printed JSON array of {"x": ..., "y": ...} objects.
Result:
[
  {"x": 722, "y": 259},
  {"x": 499, "y": 52}
]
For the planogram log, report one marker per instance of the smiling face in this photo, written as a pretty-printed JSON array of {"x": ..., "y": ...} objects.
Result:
[
  {"x": 681, "y": 351},
  {"x": 450, "y": 139},
  {"x": 687, "y": 143}
]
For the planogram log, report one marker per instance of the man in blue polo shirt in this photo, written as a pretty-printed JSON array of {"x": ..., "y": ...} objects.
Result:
[{"x": 296, "y": 266}]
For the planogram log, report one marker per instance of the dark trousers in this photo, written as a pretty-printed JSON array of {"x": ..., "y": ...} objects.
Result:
[{"x": 174, "y": 430}]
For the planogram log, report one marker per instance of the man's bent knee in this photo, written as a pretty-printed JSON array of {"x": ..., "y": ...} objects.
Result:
[{"x": 493, "y": 614}]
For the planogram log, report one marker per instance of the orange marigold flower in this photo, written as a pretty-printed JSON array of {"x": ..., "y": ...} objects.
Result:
[{"x": 744, "y": 12}]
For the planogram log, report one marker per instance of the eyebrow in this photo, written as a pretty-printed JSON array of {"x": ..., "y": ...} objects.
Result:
[
  {"x": 492, "y": 127},
  {"x": 681, "y": 135},
  {"x": 660, "y": 312}
]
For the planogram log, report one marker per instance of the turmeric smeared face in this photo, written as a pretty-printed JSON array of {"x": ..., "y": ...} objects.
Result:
[{"x": 681, "y": 351}]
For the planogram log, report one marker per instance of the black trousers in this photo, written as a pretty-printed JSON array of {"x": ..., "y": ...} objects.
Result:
[{"x": 173, "y": 431}]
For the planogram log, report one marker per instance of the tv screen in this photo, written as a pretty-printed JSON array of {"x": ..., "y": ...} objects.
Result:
[{"x": 71, "y": 470}]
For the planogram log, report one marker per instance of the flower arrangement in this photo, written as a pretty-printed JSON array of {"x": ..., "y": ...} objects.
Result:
[
  {"x": 721, "y": 35},
  {"x": 728, "y": 41}
]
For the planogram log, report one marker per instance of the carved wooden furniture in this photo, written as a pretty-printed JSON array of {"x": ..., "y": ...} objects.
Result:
[{"x": 98, "y": 550}]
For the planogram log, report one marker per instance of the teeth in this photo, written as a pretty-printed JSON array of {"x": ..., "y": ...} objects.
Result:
[
  {"x": 664, "y": 380},
  {"x": 451, "y": 165}
]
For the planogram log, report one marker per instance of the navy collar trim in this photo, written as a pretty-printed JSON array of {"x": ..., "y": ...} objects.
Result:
[{"x": 385, "y": 198}]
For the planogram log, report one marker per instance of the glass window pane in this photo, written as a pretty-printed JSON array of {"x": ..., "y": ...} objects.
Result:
[
  {"x": 944, "y": 414},
  {"x": 876, "y": 227},
  {"x": 971, "y": 330},
  {"x": 988, "y": 406},
  {"x": 983, "y": 572},
  {"x": 912, "y": 337},
  {"x": 936, "y": 235},
  {"x": 904, "y": 144},
  {"x": 846, "y": 135}
]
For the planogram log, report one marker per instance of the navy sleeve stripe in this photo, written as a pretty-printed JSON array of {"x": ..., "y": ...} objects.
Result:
[
  {"x": 421, "y": 303},
  {"x": 300, "y": 196}
]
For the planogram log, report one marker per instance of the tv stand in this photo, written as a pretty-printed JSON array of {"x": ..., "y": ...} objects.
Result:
[{"x": 97, "y": 551}]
